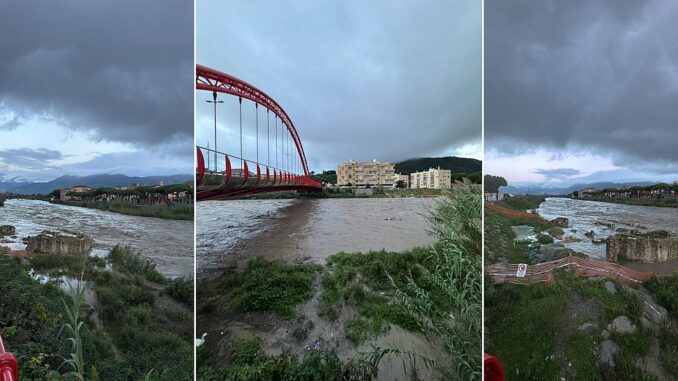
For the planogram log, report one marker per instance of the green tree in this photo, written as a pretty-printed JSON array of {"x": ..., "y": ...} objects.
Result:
[{"x": 492, "y": 183}]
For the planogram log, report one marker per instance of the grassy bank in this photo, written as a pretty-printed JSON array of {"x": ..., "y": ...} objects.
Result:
[
  {"x": 433, "y": 292},
  {"x": 140, "y": 321},
  {"x": 174, "y": 212},
  {"x": 661, "y": 202},
  {"x": 499, "y": 238},
  {"x": 522, "y": 203},
  {"x": 536, "y": 331}
]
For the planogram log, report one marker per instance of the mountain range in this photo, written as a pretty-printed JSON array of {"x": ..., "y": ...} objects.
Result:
[
  {"x": 94, "y": 181},
  {"x": 538, "y": 189}
]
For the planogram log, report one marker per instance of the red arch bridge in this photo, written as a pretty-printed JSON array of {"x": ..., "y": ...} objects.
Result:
[{"x": 279, "y": 166}]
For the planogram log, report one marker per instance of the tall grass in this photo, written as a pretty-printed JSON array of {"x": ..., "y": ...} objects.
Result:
[
  {"x": 73, "y": 327},
  {"x": 447, "y": 300}
]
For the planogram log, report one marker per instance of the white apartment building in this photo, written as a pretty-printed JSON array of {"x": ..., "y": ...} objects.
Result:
[{"x": 431, "y": 179}]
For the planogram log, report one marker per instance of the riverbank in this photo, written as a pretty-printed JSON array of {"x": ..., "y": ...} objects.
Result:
[
  {"x": 173, "y": 212},
  {"x": 303, "y": 317},
  {"x": 348, "y": 193},
  {"x": 168, "y": 243},
  {"x": 658, "y": 202},
  {"x": 137, "y": 322},
  {"x": 578, "y": 328}
]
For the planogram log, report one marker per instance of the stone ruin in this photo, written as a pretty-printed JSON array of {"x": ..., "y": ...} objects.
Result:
[
  {"x": 651, "y": 247},
  {"x": 7, "y": 230},
  {"x": 49, "y": 242}
]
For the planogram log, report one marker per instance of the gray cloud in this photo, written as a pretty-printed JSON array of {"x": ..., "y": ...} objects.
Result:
[
  {"x": 600, "y": 76},
  {"x": 30, "y": 159},
  {"x": 361, "y": 80},
  {"x": 559, "y": 173},
  {"x": 120, "y": 68}
]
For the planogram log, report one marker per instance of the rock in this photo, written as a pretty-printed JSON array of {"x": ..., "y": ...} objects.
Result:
[
  {"x": 550, "y": 252},
  {"x": 654, "y": 315},
  {"x": 7, "y": 230},
  {"x": 609, "y": 225},
  {"x": 588, "y": 327},
  {"x": 589, "y": 234},
  {"x": 598, "y": 240},
  {"x": 606, "y": 356},
  {"x": 561, "y": 221},
  {"x": 556, "y": 232},
  {"x": 651, "y": 247},
  {"x": 621, "y": 324},
  {"x": 571, "y": 238},
  {"x": 609, "y": 287},
  {"x": 622, "y": 230},
  {"x": 49, "y": 242}
]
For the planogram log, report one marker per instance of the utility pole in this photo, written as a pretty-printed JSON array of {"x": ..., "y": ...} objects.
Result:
[{"x": 215, "y": 101}]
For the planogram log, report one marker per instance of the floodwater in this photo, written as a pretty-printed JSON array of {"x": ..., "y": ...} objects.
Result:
[
  {"x": 230, "y": 232},
  {"x": 168, "y": 243},
  {"x": 604, "y": 218}
]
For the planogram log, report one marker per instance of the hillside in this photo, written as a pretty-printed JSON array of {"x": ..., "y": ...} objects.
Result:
[
  {"x": 453, "y": 163},
  {"x": 94, "y": 181}
]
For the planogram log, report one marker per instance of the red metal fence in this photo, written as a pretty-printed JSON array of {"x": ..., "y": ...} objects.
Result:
[
  {"x": 9, "y": 369},
  {"x": 584, "y": 267}
]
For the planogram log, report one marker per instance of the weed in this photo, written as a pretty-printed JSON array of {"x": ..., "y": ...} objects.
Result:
[{"x": 271, "y": 287}]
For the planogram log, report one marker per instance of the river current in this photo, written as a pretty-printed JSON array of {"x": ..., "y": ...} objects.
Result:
[
  {"x": 169, "y": 243},
  {"x": 312, "y": 229},
  {"x": 604, "y": 218}
]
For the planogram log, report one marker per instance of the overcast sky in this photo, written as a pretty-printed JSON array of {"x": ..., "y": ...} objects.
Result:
[
  {"x": 389, "y": 80},
  {"x": 95, "y": 86},
  {"x": 581, "y": 90}
]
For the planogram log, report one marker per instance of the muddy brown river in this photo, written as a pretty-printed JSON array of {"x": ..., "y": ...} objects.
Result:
[
  {"x": 169, "y": 243},
  {"x": 230, "y": 232}
]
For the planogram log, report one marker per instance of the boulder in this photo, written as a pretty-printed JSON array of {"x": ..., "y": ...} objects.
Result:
[
  {"x": 609, "y": 287},
  {"x": 7, "y": 230},
  {"x": 606, "y": 355},
  {"x": 49, "y": 242},
  {"x": 654, "y": 315},
  {"x": 651, "y": 247},
  {"x": 588, "y": 328},
  {"x": 551, "y": 252},
  {"x": 571, "y": 238},
  {"x": 556, "y": 232},
  {"x": 609, "y": 225},
  {"x": 621, "y": 324},
  {"x": 561, "y": 221}
]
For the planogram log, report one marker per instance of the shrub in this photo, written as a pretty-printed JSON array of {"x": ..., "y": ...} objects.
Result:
[{"x": 271, "y": 287}]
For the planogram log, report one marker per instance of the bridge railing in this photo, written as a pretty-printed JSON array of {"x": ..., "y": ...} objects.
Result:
[
  {"x": 9, "y": 369},
  {"x": 238, "y": 172}
]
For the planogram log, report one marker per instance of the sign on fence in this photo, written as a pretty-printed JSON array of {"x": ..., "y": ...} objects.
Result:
[{"x": 522, "y": 270}]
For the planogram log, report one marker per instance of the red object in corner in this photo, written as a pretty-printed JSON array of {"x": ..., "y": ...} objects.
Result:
[
  {"x": 9, "y": 369},
  {"x": 493, "y": 369}
]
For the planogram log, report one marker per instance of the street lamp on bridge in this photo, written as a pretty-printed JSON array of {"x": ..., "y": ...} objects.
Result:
[{"x": 215, "y": 101}]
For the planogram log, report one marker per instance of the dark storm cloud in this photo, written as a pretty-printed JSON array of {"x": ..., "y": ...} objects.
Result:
[
  {"x": 120, "y": 68},
  {"x": 361, "y": 80},
  {"x": 600, "y": 76},
  {"x": 30, "y": 158}
]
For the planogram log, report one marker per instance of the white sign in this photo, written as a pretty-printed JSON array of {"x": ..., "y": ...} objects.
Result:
[{"x": 522, "y": 269}]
